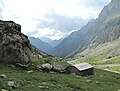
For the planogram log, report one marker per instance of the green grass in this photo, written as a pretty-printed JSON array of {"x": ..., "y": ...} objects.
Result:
[
  {"x": 113, "y": 60},
  {"x": 98, "y": 60},
  {"x": 95, "y": 60},
  {"x": 43, "y": 81},
  {"x": 91, "y": 60},
  {"x": 116, "y": 68}
]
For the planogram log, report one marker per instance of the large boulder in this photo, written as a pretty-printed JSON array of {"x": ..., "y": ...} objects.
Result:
[
  {"x": 58, "y": 68},
  {"x": 15, "y": 47},
  {"x": 49, "y": 67},
  {"x": 46, "y": 67}
]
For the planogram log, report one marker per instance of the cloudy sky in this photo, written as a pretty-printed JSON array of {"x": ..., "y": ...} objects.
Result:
[{"x": 50, "y": 18}]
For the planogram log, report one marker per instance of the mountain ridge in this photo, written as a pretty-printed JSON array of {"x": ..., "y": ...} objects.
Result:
[
  {"x": 103, "y": 29},
  {"x": 40, "y": 44}
]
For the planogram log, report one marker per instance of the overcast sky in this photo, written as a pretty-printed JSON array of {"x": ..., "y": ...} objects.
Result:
[{"x": 50, "y": 18}]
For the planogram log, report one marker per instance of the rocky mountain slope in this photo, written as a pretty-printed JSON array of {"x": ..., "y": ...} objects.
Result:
[
  {"x": 101, "y": 30},
  {"x": 111, "y": 49},
  {"x": 40, "y": 44},
  {"x": 44, "y": 44},
  {"x": 45, "y": 39},
  {"x": 54, "y": 43}
]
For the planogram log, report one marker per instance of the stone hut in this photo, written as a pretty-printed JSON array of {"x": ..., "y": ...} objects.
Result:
[{"x": 81, "y": 69}]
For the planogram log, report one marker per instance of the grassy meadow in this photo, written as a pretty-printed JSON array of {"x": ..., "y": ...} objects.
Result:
[{"x": 34, "y": 80}]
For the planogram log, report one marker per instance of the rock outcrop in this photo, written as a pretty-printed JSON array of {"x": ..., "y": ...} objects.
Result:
[{"x": 14, "y": 45}]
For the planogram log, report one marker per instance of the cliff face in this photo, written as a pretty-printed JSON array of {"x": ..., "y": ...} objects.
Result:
[
  {"x": 14, "y": 45},
  {"x": 107, "y": 26},
  {"x": 101, "y": 30}
]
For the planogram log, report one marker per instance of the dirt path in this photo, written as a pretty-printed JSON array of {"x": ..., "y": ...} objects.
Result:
[{"x": 106, "y": 65}]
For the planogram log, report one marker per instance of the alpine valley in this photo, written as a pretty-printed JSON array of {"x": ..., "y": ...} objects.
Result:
[{"x": 41, "y": 64}]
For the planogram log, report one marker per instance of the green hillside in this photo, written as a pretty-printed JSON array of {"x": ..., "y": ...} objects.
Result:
[
  {"x": 107, "y": 53},
  {"x": 105, "y": 56}
]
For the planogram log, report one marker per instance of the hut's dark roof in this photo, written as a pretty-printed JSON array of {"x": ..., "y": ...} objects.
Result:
[{"x": 83, "y": 66}]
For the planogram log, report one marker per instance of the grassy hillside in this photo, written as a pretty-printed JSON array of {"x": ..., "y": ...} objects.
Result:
[
  {"x": 107, "y": 53},
  {"x": 33, "y": 80},
  {"x": 97, "y": 60},
  {"x": 105, "y": 56}
]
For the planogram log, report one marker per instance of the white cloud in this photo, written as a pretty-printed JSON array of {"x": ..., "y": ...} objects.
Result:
[
  {"x": 50, "y": 33},
  {"x": 28, "y": 12}
]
